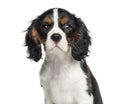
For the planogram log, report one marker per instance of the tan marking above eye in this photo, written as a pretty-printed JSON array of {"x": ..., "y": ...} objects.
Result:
[
  {"x": 48, "y": 20},
  {"x": 64, "y": 20}
]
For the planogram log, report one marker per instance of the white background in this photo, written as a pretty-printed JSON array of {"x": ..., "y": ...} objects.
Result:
[{"x": 19, "y": 77}]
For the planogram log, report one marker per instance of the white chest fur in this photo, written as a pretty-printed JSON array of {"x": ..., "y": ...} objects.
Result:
[{"x": 64, "y": 82}]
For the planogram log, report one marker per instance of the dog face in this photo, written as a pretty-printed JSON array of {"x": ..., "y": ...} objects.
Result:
[{"x": 57, "y": 30}]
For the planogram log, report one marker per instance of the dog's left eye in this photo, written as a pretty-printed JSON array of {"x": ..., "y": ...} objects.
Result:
[{"x": 67, "y": 27}]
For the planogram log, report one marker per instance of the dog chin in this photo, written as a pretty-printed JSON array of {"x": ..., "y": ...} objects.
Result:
[{"x": 56, "y": 49}]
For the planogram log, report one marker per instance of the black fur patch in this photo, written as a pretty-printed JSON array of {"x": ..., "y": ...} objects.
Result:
[
  {"x": 80, "y": 47},
  {"x": 92, "y": 83},
  {"x": 34, "y": 49}
]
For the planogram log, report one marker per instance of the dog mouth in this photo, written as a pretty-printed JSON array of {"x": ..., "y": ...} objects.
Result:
[{"x": 56, "y": 46}]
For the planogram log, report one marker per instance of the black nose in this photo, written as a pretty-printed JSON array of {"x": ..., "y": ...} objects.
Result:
[{"x": 56, "y": 37}]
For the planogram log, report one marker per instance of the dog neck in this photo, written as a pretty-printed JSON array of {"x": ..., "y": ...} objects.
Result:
[{"x": 58, "y": 63}]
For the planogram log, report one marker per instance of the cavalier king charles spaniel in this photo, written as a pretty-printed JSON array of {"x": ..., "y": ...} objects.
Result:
[{"x": 65, "y": 75}]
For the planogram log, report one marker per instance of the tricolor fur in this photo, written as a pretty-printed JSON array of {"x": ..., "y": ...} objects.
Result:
[{"x": 65, "y": 76}]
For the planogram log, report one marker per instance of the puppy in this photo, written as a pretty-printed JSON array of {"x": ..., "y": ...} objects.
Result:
[{"x": 65, "y": 75}]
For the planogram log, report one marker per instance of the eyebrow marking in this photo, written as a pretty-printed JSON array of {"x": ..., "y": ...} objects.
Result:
[
  {"x": 48, "y": 20},
  {"x": 63, "y": 20}
]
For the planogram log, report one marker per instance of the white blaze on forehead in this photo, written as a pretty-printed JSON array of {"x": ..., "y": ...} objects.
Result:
[
  {"x": 55, "y": 16},
  {"x": 56, "y": 28}
]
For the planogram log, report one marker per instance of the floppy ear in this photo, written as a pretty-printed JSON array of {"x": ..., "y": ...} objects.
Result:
[
  {"x": 80, "y": 47},
  {"x": 32, "y": 41}
]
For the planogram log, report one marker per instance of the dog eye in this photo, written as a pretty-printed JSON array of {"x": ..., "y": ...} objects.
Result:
[
  {"x": 67, "y": 26},
  {"x": 45, "y": 26}
]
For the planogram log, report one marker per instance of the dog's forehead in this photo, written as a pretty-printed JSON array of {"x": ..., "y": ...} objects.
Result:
[{"x": 49, "y": 15}]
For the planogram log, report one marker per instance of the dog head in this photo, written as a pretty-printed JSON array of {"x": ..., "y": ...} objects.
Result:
[{"x": 57, "y": 30}]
